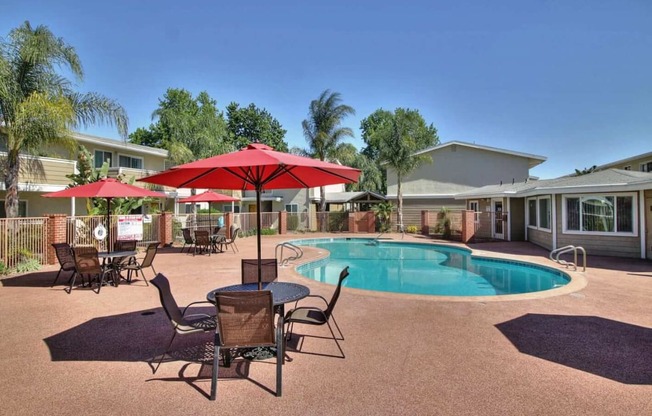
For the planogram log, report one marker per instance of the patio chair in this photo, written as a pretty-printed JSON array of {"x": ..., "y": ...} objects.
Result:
[
  {"x": 235, "y": 230},
  {"x": 187, "y": 239},
  {"x": 87, "y": 263},
  {"x": 135, "y": 267},
  {"x": 202, "y": 242},
  {"x": 119, "y": 262},
  {"x": 181, "y": 323},
  {"x": 246, "y": 319},
  {"x": 65, "y": 258},
  {"x": 310, "y": 315},
  {"x": 269, "y": 270}
]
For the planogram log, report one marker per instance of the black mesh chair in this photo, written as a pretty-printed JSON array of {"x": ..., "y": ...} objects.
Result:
[
  {"x": 148, "y": 261},
  {"x": 87, "y": 263},
  {"x": 202, "y": 242},
  {"x": 311, "y": 315},
  {"x": 181, "y": 323},
  {"x": 187, "y": 239},
  {"x": 117, "y": 263},
  {"x": 224, "y": 244},
  {"x": 246, "y": 319},
  {"x": 269, "y": 270},
  {"x": 65, "y": 258}
]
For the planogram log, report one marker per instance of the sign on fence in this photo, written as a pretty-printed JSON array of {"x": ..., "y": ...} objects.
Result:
[{"x": 130, "y": 227}]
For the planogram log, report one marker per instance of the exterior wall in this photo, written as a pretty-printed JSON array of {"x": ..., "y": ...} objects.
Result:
[
  {"x": 457, "y": 168},
  {"x": 540, "y": 238},
  {"x": 598, "y": 245},
  {"x": 634, "y": 164},
  {"x": 412, "y": 208},
  {"x": 517, "y": 219}
]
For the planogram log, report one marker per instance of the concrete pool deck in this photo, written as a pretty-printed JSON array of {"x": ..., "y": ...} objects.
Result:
[{"x": 582, "y": 351}]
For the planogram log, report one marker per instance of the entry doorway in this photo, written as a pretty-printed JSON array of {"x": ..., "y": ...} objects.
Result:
[{"x": 498, "y": 222}]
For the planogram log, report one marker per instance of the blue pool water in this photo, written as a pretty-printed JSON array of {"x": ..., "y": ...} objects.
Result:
[{"x": 425, "y": 269}]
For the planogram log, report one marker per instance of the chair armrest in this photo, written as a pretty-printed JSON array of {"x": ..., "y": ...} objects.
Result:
[
  {"x": 312, "y": 296},
  {"x": 183, "y": 313}
]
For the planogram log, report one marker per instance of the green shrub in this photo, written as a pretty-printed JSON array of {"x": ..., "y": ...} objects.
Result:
[
  {"x": 3, "y": 268},
  {"x": 412, "y": 229},
  {"x": 28, "y": 265},
  {"x": 267, "y": 231}
]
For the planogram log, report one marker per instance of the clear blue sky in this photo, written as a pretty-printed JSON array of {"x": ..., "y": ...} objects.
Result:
[{"x": 567, "y": 79}]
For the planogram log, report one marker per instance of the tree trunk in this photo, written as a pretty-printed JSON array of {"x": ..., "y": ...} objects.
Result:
[
  {"x": 399, "y": 196},
  {"x": 11, "y": 183}
]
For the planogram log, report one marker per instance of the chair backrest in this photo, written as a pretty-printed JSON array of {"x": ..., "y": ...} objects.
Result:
[
  {"x": 152, "y": 248},
  {"x": 269, "y": 270},
  {"x": 202, "y": 238},
  {"x": 167, "y": 300},
  {"x": 64, "y": 255},
  {"x": 86, "y": 260},
  {"x": 235, "y": 230},
  {"x": 245, "y": 318},
  {"x": 331, "y": 305},
  {"x": 125, "y": 245},
  {"x": 216, "y": 230},
  {"x": 187, "y": 236}
]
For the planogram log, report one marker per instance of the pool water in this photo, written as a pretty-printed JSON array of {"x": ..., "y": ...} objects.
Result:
[{"x": 425, "y": 269}]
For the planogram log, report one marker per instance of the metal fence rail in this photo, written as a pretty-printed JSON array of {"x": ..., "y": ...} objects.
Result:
[
  {"x": 22, "y": 239},
  {"x": 79, "y": 230}
]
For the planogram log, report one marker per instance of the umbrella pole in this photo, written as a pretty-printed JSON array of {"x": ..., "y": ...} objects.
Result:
[
  {"x": 258, "y": 240},
  {"x": 108, "y": 224}
]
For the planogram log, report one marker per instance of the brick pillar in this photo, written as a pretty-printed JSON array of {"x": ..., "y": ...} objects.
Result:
[
  {"x": 228, "y": 220},
  {"x": 352, "y": 225},
  {"x": 468, "y": 225},
  {"x": 56, "y": 234},
  {"x": 425, "y": 223},
  {"x": 165, "y": 228},
  {"x": 283, "y": 222}
]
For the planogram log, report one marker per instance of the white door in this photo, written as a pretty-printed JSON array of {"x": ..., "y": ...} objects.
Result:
[
  {"x": 498, "y": 222},
  {"x": 648, "y": 227}
]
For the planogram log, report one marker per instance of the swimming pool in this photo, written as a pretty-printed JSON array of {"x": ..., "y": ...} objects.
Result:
[{"x": 425, "y": 269}]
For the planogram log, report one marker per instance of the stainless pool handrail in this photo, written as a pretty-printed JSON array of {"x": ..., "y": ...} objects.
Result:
[
  {"x": 298, "y": 253},
  {"x": 567, "y": 249}
]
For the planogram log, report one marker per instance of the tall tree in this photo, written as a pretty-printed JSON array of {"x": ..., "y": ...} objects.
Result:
[
  {"x": 396, "y": 137},
  {"x": 38, "y": 106},
  {"x": 323, "y": 129},
  {"x": 250, "y": 124},
  {"x": 371, "y": 176}
]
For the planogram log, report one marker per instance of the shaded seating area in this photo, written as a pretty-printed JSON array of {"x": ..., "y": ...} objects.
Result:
[
  {"x": 182, "y": 324},
  {"x": 63, "y": 251},
  {"x": 311, "y": 315},
  {"x": 269, "y": 270},
  {"x": 147, "y": 262},
  {"x": 245, "y": 320}
]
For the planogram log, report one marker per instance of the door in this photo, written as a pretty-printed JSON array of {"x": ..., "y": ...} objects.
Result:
[
  {"x": 648, "y": 227},
  {"x": 498, "y": 223}
]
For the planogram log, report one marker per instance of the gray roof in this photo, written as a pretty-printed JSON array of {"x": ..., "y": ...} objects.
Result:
[
  {"x": 609, "y": 180},
  {"x": 344, "y": 197},
  {"x": 628, "y": 159},
  {"x": 534, "y": 160},
  {"x": 119, "y": 144}
]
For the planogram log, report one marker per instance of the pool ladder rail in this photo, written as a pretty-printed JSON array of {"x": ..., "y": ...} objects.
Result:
[
  {"x": 568, "y": 249},
  {"x": 297, "y": 253}
]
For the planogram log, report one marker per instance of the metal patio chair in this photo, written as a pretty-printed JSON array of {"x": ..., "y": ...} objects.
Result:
[
  {"x": 66, "y": 260},
  {"x": 269, "y": 270}
]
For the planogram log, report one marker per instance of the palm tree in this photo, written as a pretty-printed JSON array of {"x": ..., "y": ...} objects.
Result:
[
  {"x": 323, "y": 130},
  {"x": 38, "y": 106}
]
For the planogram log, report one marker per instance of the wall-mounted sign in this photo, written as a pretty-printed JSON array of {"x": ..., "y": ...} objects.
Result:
[{"x": 130, "y": 227}]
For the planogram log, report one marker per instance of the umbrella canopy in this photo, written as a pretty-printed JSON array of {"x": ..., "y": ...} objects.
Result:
[
  {"x": 256, "y": 167},
  {"x": 107, "y": 188},
  {"x": 209, "y": 196}
]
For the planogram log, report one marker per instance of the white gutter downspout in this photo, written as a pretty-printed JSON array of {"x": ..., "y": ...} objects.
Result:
[
  {"x": 641, "y": 220},
  {"x": 509, "y": 219},
  {"x": 553, "y": 220}
]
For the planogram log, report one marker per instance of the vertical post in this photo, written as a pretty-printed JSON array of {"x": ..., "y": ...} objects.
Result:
[
  {"x": 258, "y": 239},
  {"x": 468, "y": 225},
  {"x": 283, "y": 222},
  {"x": 425, "y": 223},
  {"x": 228, "y": 220},
  {"x": 56, "y": 233},
  {"x": 165, "y": 228}
]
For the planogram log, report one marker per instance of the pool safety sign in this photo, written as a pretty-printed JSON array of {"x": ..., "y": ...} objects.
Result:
[{"x": 130, "y": 227}]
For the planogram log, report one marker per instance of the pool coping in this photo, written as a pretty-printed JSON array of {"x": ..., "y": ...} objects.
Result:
[{"x": 578, "y": 280}]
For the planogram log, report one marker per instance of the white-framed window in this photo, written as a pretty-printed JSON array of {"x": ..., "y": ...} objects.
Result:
[
  {"x": 600, "y": 214},
  {"x": 539, "y": 213},
  {"x": 475, "y": 207},
  {"x": 22, "y": 209},
  {"x": 189, "y": 208},
  {"x": 133, "y": 162},
  {"x": 102, "y": 156},
  {"x": 292, "y": 208},
  {"x": 227, "y": 208},
  {"x": 646, "y": 167}
]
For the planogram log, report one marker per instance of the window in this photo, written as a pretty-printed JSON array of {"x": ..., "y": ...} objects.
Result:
[
  {"x": 646, "y": 167},
  {"x": 227, "y": 208},
  {"x": 189, "y": 208},
  {"x": 475, "y": 207},
  {"x": 130, "y": 162},
  {"x": 292, "y": 208},
  {"x": 101, "y": 156},
  {"x": 628, "y": 167},
  {"x": 600, "y": 214},
  {"x": 22, "y": 209},
  {"x": 539, "y": 213}
]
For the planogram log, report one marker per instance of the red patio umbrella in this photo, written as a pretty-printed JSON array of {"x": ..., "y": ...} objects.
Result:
[
  {"x": 107, "y": 188},
  {"x": 209, "y": 196},
  {"x": 256, "y": 167}
]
